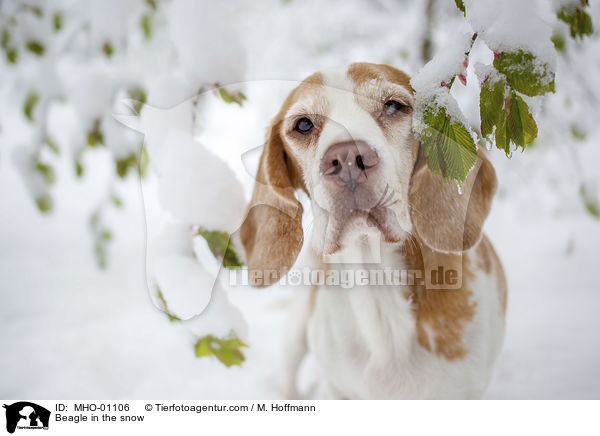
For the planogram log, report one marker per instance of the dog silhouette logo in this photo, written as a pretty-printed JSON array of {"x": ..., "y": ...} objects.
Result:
[{"x": 26, "y": 415}]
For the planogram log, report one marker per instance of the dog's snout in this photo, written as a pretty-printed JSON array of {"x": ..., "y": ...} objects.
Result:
[{"x": 349, "y": 162}]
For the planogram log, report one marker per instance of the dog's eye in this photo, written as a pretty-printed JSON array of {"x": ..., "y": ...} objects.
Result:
[
  {"x": 392, "y": 107},
  {"x": 304, "y": 125}
]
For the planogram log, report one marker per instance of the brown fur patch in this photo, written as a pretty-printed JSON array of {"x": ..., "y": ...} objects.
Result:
[
  {"x": 309, "y": 85},
  {"x": 361, "y": 72},
  {"x": 489, "y": 262},
  {"x": 502, "y": 286},
  {"x": 441, "y": 313},
  {"x": 447, "y": 223},
  {"x": 484, "y": 255},
  {"x": 272, "y": 232}
]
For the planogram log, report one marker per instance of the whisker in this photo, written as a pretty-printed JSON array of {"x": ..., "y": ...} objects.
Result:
[
  {"x": 414, "y": 209},
  {"x": 383, "y": 195}
]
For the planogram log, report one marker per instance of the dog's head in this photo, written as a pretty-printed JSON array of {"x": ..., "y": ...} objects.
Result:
[{"x": 345, "y": 138}]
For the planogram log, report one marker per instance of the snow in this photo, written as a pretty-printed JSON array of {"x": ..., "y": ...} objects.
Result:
[
  {"x": 187, "y": 286},
  {"x": 447, "y": 63},
  {"x": 91, "y": 87},
  {"x": 157, "y": 123},
  {"x": 172, "y": 239},
  {"x": 220, "y": 318},
  {"x": 109, "y": 19},
  {"x": 23, "y": 160},
  {"x": 196, "y": 186},
  {"x": 559, "y": 4},
  {"x": 513, "y": 24},
  {"x": 101, "y": 335},
  {"x": 206, "y": 41},
  {"x": 431, "y": 80}
]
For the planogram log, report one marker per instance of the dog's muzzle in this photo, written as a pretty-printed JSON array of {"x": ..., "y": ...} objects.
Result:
[{"x": 349, "y": 163}]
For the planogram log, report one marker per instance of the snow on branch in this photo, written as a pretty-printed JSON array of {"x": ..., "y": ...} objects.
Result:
[{"x": 523, "y": 67}]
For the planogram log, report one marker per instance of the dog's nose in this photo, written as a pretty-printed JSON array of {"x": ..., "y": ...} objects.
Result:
[{"x": 349, "y": 163}]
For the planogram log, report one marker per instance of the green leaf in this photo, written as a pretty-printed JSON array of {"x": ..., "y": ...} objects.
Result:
[
  {"x": 116, "y": 201},
  {"x": 46, "y": 172},
  {"x": 226, "y": 350},
  {"x": 461, "y": 6},
  {"x": 146, "y": 25},
  {"x": 12, "y": 55},
  {"x": 229, "y": 356},
  {"x": 505, "y": 117},
  {"x": 102, "y": 237},
  {"x": 559, "y": 42},
  {"x": 5, "y": 38},
  {"x": 202, "y": 348},
  {"x": 525, "y": 73},
  {"x": 220, "y": 246},
  {"x": 579, "y": 21},
  {"x": 139, "y": 96},
  {"x": 447, "y": 144},
  {"x": 144, "y": 161},
  {"x": 9, "y": 50},
  {"x": 35, "y": 47},
  {"x": 591, "y": 204},
  {"x": 518, "y": 125},
  {"x": 491, "y": 103},
  {"x": 108, "y": 49},
  {"x": 78, "y": 168},
  {"x": 236, "y": 97},
  {"x": 100, "y": 253},
  {"x": 57, "y": 20},
  {"x": 133, "y": 161},
  {"x": 44, "y": 203},
  {"x": 34, "y": 10},
  {"x": 577, "y": 132},
  {"x": 163, "y": 306},
  {"x": 30, "y": 103},
  {"x": 51, "y": 145},
  {"x": 95, "y": 136},
  {"x": 123, "y": 165}
]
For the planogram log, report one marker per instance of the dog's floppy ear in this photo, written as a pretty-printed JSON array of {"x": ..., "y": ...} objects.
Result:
[
  {"x": 272, "y": 230},
  {"x": 445, "y": 219}
]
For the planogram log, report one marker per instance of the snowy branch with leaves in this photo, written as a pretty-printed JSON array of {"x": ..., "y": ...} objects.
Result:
[{"x": 522, "y": 68}]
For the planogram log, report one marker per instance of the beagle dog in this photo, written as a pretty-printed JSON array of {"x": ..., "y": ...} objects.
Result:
[{"x": 345, "y": 138}]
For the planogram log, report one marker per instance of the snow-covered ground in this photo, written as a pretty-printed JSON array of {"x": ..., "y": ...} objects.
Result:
[{"x": 70, "y": 330}]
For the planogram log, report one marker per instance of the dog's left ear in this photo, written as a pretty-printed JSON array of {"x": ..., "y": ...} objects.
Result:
[
  {"x": 272, "y": 230},
  {"x": 446, "y": 220}
]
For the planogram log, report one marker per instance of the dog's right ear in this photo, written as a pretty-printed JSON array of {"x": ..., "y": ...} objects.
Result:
[
  {"x": 272, "y": 230},
  {"x": 446, "y": 220}
]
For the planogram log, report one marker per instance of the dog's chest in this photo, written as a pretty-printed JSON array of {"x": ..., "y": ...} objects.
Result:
[
  {"x": 360, "y": 329},
  {"x": 364, "y": 339},
  {"x": 357, "y": 335}
]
